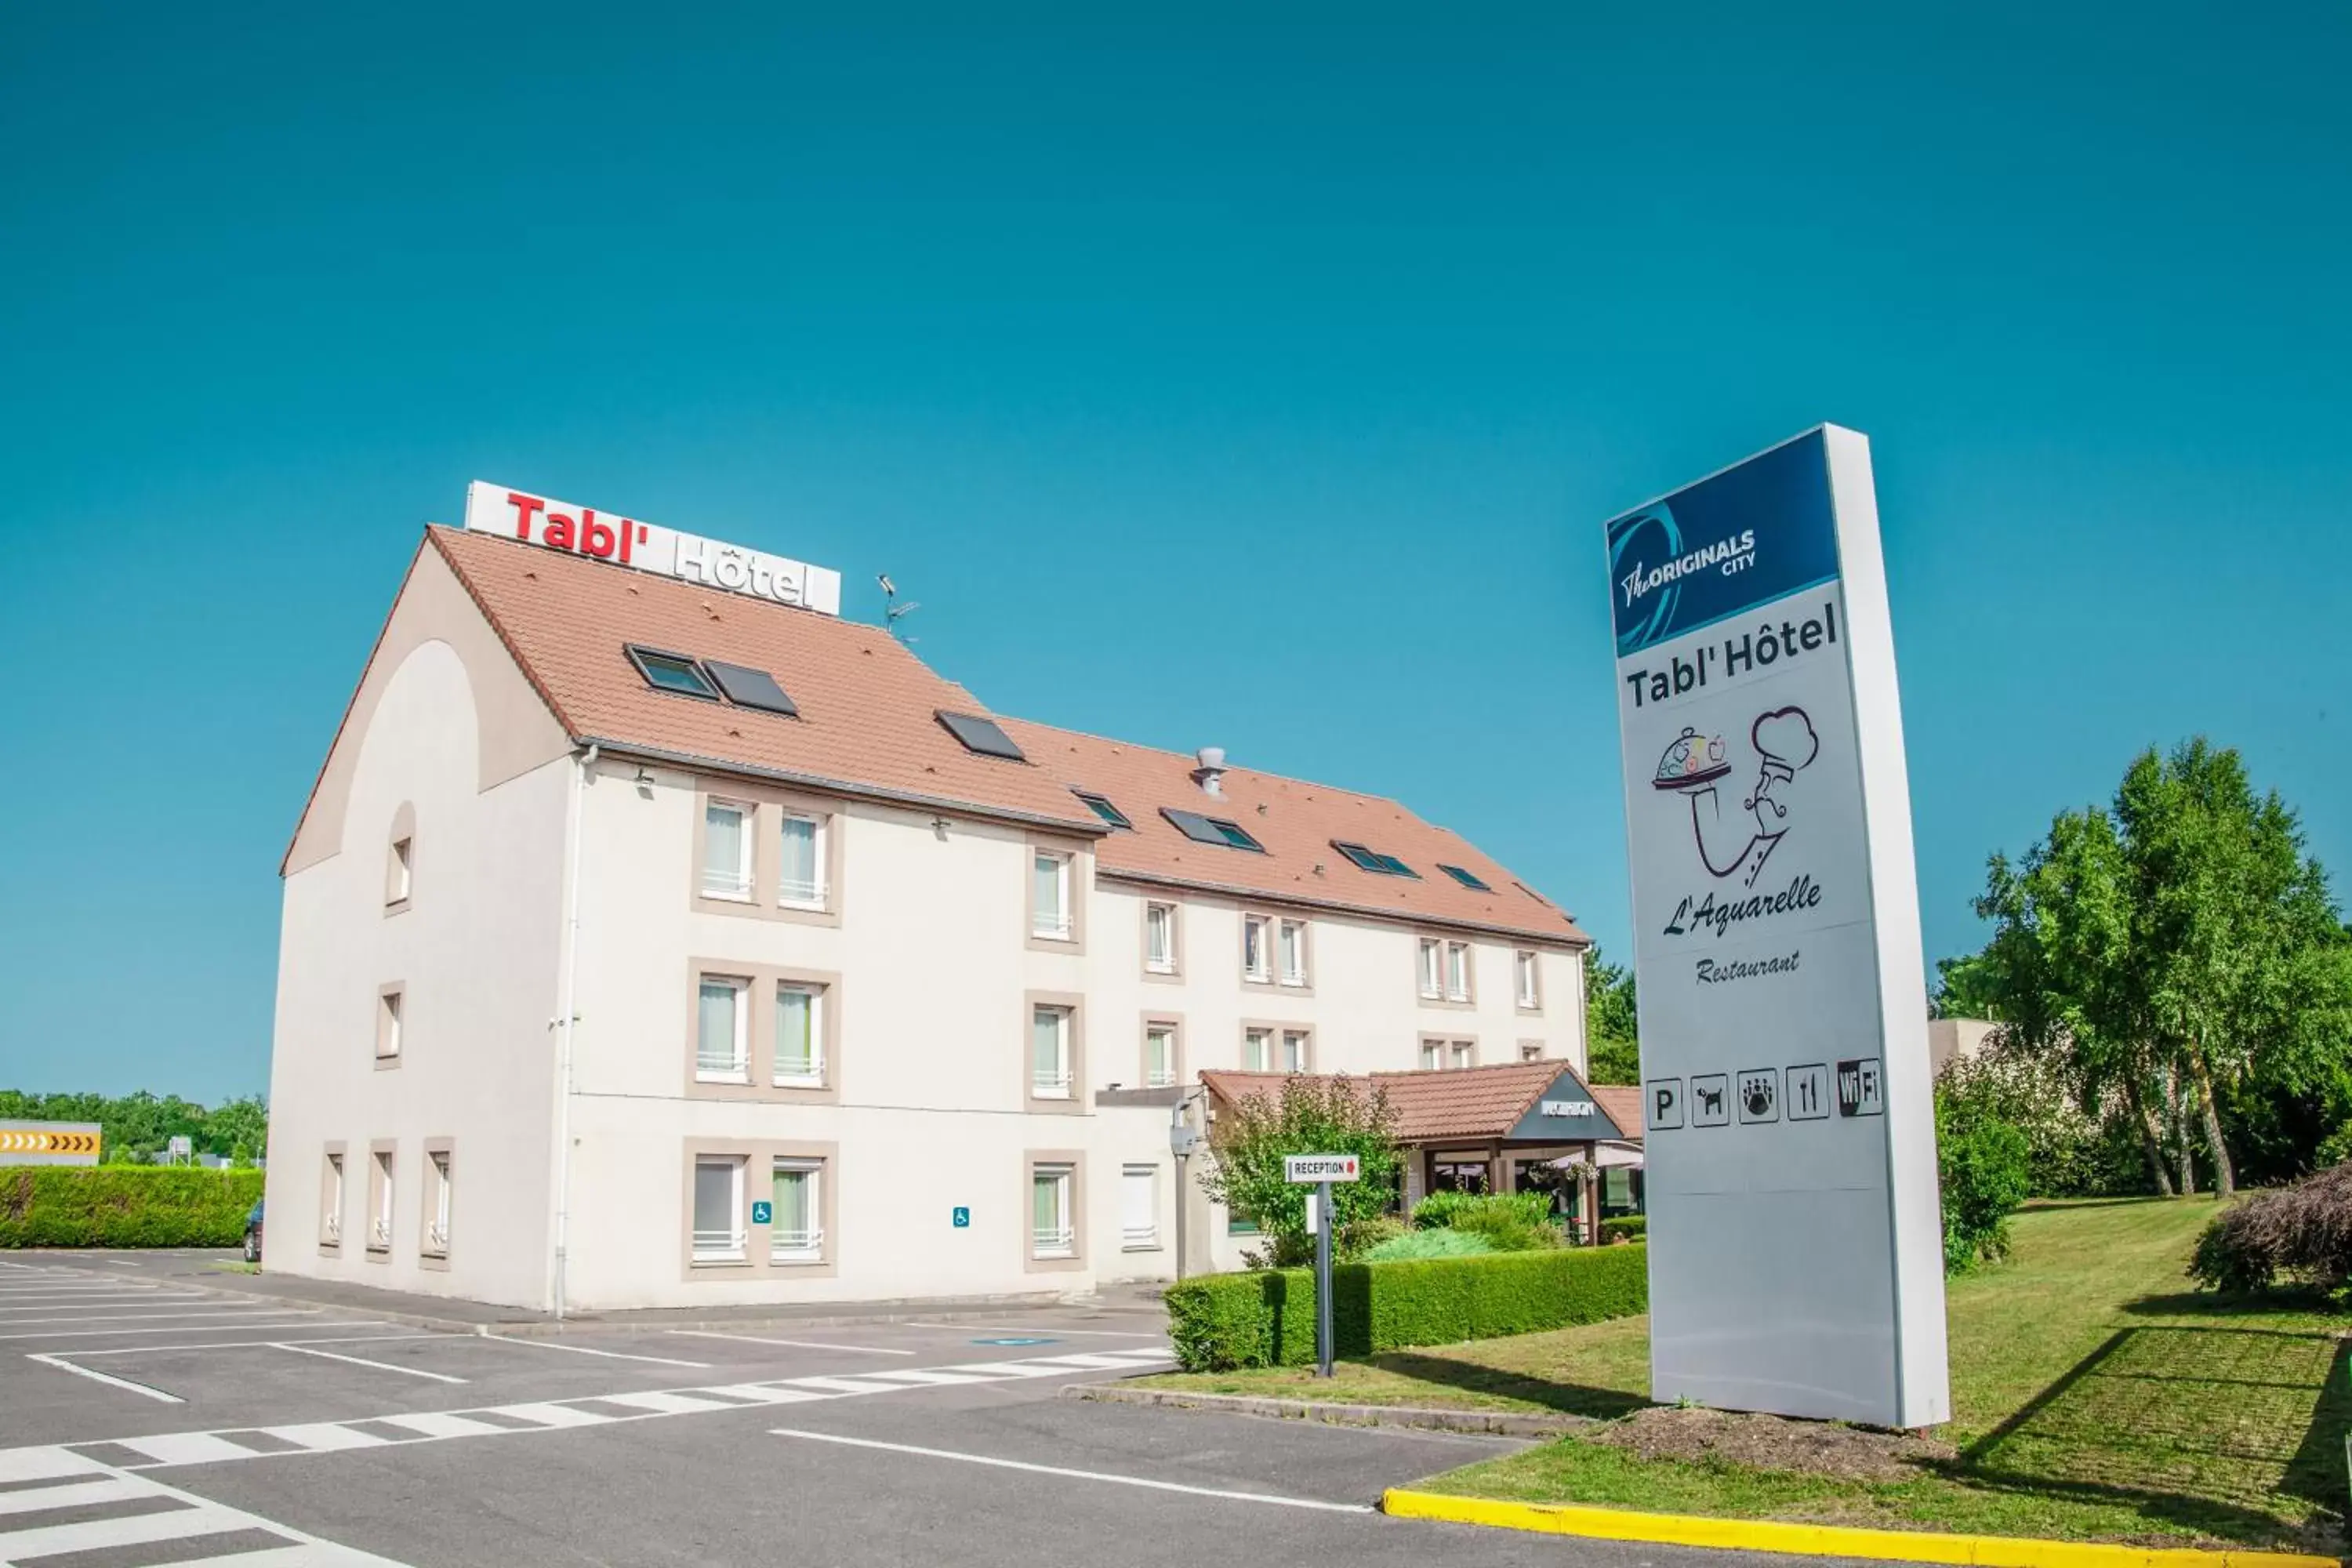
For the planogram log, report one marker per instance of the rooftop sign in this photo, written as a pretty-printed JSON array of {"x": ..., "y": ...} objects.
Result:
[{"x": 649, "y": 547}]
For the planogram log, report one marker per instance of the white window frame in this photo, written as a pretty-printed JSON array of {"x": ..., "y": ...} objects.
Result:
[
  {"x": 721, "y": 1246},
  {"x": 1290, "y": 950},
  {"x": 1530, "y": 984},
  {"x": 1162, "y": 1076},
  {"x": 331, "y": 1199},
  {"x": 391, "y": 1008},
  {"x": 1134, "y": 1237},
  {"x": 1257, "y": 957},
  {"x": 403, "y": 880},
  {"x": 740, "y": 1071},
  {"x": 437, "y": 1179},
  {"x": 1432, "y": 969},
  {"x": 813, "y": 1076},
  {"x": 1461, "y": 1054},
  {"x": 804, "y": 1246},
  {"x": 1432, "y": 1056},
  {"x": 382, "y": 1169},
  {"x": 1054, "y": 924},
  {"x": 1056, "y": 1084},
  {"x": 1257, "y": 1049},
  {"x": 1165, "y": 961},
  {"x": 1062, "y": 1240},
  {"x": 738, "y": 885},
  {"x": 1296, "y": 1048},
  {"x": 815, "y": 894},
  {"x": 1457, "y": 971}
]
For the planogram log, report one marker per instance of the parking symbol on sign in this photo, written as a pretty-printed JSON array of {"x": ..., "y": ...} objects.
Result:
[
  {"x": 1861, "y": 1088},
  {"x": 1665, "y": 1103}
]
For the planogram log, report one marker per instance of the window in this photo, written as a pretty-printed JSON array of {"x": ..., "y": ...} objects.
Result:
[
  {"x": 726, "y": 850},
  {"x": 749, "y": 687},
  {"x": 388, "y": 1006},
  {"x": 1214, "y": 830},
  {"x": 331, "y": 1201},
  {"x": 1159, "y": 1055},
  {"x": 380, "y": 1202},
  {"x": 1374, "y": 861},
  {"x": 796, "y": 1229},
  {"x": 1433, "y": 1055},
  {"x": 718, "y": 1235},
  {"x": 1457, "y": 971},
  {"x": 1053, "y": 1228},
  {"x": 1432, "y": 983},
  {"x": 1294, "y": 1050},
  {"x": 672, "y": 672},
  {"x": 398, "y": 871},
  {"x": 436, "y": 1203},
  {"x": 1159, "y": 938},
  {"x": 1255, "y": 962},
  {"x": 981, "y": 737},
  {"x": 1138, "y": 1207},
  {"x": 1049, "y": 1053},
  {"x": 1101, "y": 807},
  {"x": 1524, "y": 970},
  {"x": 1466, "y": 1054},
  {"x": 1239, "y": 1222},
  {"x": 1257, "y": 1050},
  {"x": 801, "y": 866},
  {"x": 722, "y": 1035},
  {"x": 800, "y": 1036},
  {"x": 1469, "y": 879},
  {"x": 1050, "y": 905},
  {"x": 1530, "y": 1051},
  {"x": 1291, "y": 949},
  {"x": 1440, "y": 1053}
]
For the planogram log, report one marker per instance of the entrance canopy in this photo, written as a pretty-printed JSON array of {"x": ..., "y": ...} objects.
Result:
[{"x": 1516, "y": 1103}]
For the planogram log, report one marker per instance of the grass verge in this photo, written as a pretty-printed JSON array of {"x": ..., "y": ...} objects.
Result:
[{"x": 2094, "y": 1397}]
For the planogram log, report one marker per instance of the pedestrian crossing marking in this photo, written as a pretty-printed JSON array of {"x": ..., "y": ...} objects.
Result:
[{"x": 47, "y": 1483}]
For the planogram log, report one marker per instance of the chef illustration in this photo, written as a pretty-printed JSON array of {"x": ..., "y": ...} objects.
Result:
[{"x": 1743, "y": 839}]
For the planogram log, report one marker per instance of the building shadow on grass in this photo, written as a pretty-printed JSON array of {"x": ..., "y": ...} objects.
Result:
[
  {"x": 2206, "y": 1426},
  {"x": 1568, "y": 1399}
]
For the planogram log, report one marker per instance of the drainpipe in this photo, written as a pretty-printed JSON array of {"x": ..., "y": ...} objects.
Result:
[{"x": 566, "y": 1022}]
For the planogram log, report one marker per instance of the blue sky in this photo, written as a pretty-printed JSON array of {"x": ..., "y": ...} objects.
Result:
[{"x": 1211, "y": 376}]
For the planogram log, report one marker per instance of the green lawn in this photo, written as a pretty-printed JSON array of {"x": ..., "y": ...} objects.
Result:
[{"x": 2094, "y": 1396}]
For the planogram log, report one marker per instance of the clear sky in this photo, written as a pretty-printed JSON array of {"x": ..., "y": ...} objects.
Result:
[{"x": 1239, "y": 375}]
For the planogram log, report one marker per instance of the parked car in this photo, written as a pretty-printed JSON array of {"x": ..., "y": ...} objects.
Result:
[{"x": 253, "y": 1232}]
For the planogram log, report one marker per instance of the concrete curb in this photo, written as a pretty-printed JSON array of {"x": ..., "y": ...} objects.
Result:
[
  {"x": 1821, "y": 1540},
  {"x": 1485, "y": 1423}
]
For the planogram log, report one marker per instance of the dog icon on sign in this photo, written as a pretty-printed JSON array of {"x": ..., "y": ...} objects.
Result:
[{"x": 1708, "y": 1093}]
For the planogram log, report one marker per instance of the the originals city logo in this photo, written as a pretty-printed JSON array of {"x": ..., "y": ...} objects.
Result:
[
  {"x": 1652, "y": 534},
  {"x": 1742, "y": 840}
]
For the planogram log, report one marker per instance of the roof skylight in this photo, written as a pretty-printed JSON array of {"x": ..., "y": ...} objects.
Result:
[
  {"x": 672, "y": 672},
  {"x": 1374, "y": 861},
  {"x": 981, "y": 737},
  {"x": 1101, "y": 807},
  {"x": 749, "y": 687},
  {"x": 1469, "y": 879},
  {"x": 1217, "y": 830}
]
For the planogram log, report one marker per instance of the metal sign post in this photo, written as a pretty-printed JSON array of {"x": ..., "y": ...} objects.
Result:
[{"x": 1321, "y": 1170}]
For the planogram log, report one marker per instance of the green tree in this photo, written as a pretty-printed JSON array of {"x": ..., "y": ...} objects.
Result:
[
  {"x": 1982, "y": 1165},
  {"x": 1612, "y": 1029},
  {"x": 1310, "y": 1116}
]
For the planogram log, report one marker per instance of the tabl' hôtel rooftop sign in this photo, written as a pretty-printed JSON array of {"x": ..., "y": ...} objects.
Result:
[{"x": 648, "y": 547}]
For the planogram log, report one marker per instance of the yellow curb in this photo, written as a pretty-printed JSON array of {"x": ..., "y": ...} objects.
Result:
[{"x": 1823, "y": 1540}]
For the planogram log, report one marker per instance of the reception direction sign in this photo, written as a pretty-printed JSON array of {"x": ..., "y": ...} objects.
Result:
[{"x": 1795, "y": 1242}]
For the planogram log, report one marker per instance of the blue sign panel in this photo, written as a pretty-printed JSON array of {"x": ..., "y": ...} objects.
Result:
[
  {"x": 762, "y": 1213},
  {"x": 1725, "y": 544},
  {"x": 962, "y": 1220}
]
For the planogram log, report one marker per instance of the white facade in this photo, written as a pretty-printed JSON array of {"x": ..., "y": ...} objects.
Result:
[{"x": 924, "y": 949}]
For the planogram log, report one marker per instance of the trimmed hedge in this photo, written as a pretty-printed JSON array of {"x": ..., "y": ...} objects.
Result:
[
  {"x": 124, "y": 1206},
  {"x": 1266, "y": 1318},
  {"x": 1632, "y": 1226}
]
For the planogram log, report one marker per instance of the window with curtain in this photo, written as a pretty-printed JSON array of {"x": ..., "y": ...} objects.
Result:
[
  {"x": 1049, "y": 1053},
  {"x": 436, "y": 1178},
  {"x": 1293, "y": 945},
  {"x": 1159, "y": 938},
  {"x": 1294, "y": 1050},
  {"x": 720, "y": 1040},
  {"x": 1254, "y": 958},
  {"x": 800, "y": 1035},
  {"x": 1257, "y": 1050},
  {"x": 800, "y": 875},
  {"x": 1051, "y": 917},
  {"x": 379, "y": 1228},
  {"x": 1158, "y": 1056},
  {"x": 796, "y": 1230},
  {"x": 1465, "y": 1053},
  {"x": 1429, "y": 968},
  {"x": 1432, "y": 1056},
  {"x": 718, "y": 1209},
  {"x": 1527, "y": 973},
  {"x": 726, "y": 850},
  {"x": 1458, "y": 971},
  {"x": 1052, "y": 1234}
]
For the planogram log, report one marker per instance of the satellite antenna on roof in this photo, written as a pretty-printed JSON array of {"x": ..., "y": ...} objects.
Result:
[{"x": 891, "y": 608}]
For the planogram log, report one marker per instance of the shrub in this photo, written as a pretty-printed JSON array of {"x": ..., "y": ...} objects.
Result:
[
  {"x": 1986, "y": 1170},
  {"x": 1356, "y": 1238},
  {"x": 1439, "y": 1243},
  {"x": 1511, "y": 1222},
  {"x": 2300, "y": 1234},
  {"x": 1266, "y": 1318},
  {"x": 124, "y": 1206},
  {"x": 1625, "y": 1226},
  {"x": 1310, "y": 1116}
]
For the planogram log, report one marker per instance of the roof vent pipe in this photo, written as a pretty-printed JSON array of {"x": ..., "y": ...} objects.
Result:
[{"x": 1211, "y": 774}]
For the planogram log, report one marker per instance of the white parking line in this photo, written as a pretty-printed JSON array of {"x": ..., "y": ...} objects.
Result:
[
  {"x": 254, "y": 1345},
  {"x": 1017, "y": 1329},
  {"x": 362, "y": 1361},
  {"x": 126, "y": 1316},
  {"x": 583, "y": 1349},
  {"x": 180, "y": 1329},
  {"x": 64, "y": 1365},
  {"x": 796, "y": 1344},
  {"x": 1073, "y": 1475}
]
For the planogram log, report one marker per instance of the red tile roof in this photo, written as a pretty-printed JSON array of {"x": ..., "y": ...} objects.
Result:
[
  {"x": 1298, "y": 823},
  {"x": 868, "y": 724},
  {"x": 1431, "y": 1104}
]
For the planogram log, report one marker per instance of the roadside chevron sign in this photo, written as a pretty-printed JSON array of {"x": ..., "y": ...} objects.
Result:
[{"x": 49, "y": 1144}]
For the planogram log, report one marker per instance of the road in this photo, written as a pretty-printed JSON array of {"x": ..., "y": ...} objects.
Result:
[{"x": 145, "y": 1419}]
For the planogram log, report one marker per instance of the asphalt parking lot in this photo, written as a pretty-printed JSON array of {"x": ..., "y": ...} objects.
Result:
[{"x": 149, "y": 1419}]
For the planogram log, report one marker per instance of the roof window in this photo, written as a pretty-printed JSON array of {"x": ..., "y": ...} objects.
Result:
[
  {"x": 749, "y": 687},
  {"x": 1101, "y": 807},
  {"x": 981, "y": 737},
  {"x": 672, "y": 672},
  {"x": 1211, "y": 830},
  {"x": 1373, "y": 860},
  {"x": 1469, "y": 879}
]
